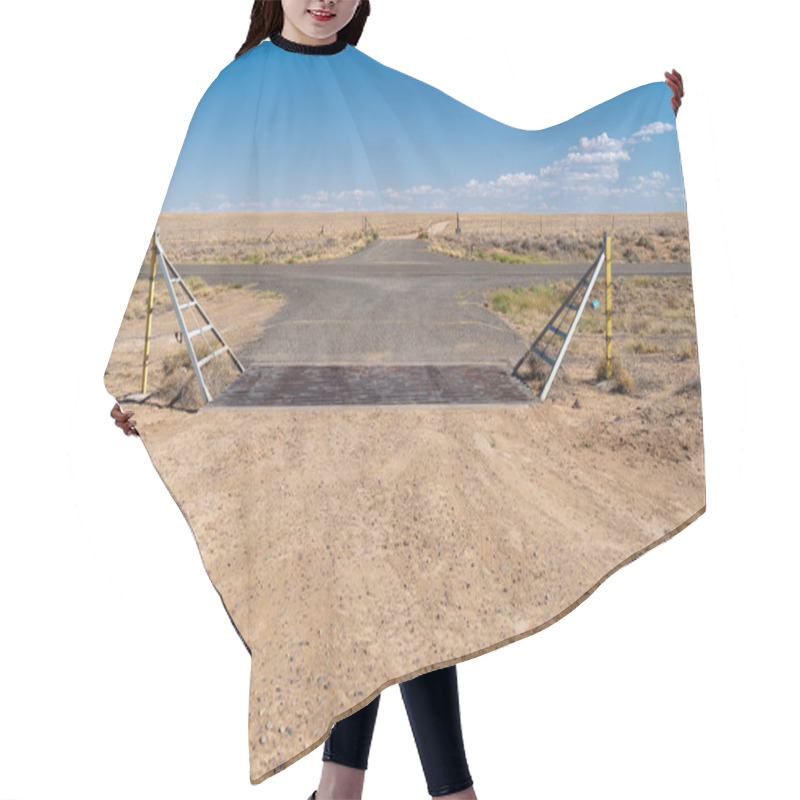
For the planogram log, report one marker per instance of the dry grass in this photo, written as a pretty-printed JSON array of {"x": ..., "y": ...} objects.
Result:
[
  {"x": 137, "y": 306},
  {"x": 687, "y": 351},
  {"x": 175, "y": 385},
  {"x": 262, "y": 238},
  {"x": 566, "y": 238},
  {"x": 237, "y": 311},
  {"x": 652, "y": 324},
  {"x": 645, "y": 348},
  {"x": 294, "y": 237},
  {"x": 621, "y": 380}
]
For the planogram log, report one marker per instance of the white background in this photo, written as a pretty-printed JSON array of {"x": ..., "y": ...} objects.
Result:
[{"x": 120, "y": 674}]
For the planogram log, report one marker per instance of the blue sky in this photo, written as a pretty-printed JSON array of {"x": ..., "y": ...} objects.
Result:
[{"x": 282, "y": 131}]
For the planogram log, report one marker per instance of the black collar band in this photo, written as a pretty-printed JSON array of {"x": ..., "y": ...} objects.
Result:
[{"x": 309, "y": 49}]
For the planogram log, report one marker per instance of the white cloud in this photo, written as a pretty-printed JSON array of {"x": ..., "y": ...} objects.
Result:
[
  {"x": 652, "y": 185},
  {"x": 601, "y": 142},
  {"x": 351, "y": 199},
  {"x": 509, "y": 184},
  {"x": 516, "y": 179},
  {"x": 649, "y": 183},
  {"x": 414, "y": 197},
  {"x": 350, "y": 195},
  {"x": 589, "y": 169},
  {"x": 607, "y": 157},
  {"x": 654, "y": 128}
]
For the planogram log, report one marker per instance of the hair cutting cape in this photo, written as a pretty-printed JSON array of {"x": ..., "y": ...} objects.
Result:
[{"x": 375, "y": 489}]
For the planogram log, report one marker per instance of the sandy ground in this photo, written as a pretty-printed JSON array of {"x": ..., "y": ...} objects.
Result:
[{"x": 355, "y": 548}]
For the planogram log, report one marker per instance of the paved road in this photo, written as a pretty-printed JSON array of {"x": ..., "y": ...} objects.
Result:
[{"x": 393, "y": 302}]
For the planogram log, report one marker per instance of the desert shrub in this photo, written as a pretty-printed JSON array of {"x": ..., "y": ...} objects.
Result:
[
  {"x": 687, "y": 350},
  {"x": 501, "y": 302},
  {"x": 534, "y": 369},
  {"x": 644, "y": 241},
  {"x": 691, "y": 387},
  {"x": 195, "y": 283},
  {"x": 642, "y": 347},
  {"x": 680, "y": 249},
  {"x": 508, "y": 258},
  {"x": 622, "y": 381},
  {"x": 672, "y": 300}
]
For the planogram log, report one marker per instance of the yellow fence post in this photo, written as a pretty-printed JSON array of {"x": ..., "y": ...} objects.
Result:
[
  {"x": 150, "y": 304},
  {"x": 608, "y": 305}
]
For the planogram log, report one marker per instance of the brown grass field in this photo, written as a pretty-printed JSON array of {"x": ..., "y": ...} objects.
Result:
[{"x": 292, "y": 237}]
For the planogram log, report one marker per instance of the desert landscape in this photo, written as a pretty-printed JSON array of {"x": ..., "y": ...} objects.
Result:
[
  {"x": 297, "y": 237},
  {"x": 365, "y": 545}
]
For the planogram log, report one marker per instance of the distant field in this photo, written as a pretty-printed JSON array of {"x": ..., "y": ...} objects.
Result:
[
  {"x": 293, "y": 237},
  {"x": 570, "y": 238}
]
